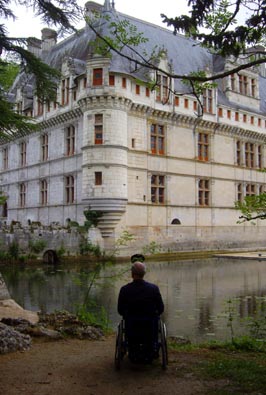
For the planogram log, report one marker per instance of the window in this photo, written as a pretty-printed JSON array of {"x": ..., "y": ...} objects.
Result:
[
  {"x": 252, "y": 120},
  {"x": 259, "y": 122},
  {"x": 233, "y": 82},
  {"x": 48, "y": 106},
  {"x": 147, "y": 92},
  {"x": 236, "y": 116},
  {"x": 23, "y": 153},
  {"x": 111, "y": 80},
  {"x": 195, "y": 105},
  {"x": 239, "y": 192},
  {"x": 97, "y": 77},
  {"x": 124, "y": 82},
  {"x": 253, "y": 87},
  {"x": 249, "y": 155},
  {"x": 43, "y": 191},
  {"x": 137, "y": 89},
  {"x": 238, "y": 153},
  {"x": 85, "y": 82},
  {"x": 70, "y": 189},
  {"x": 157, "y": 189},
  {"x": 65, "y": 92},
  {"x": 98, "y": 178},
  {"x": 98, "y": 128},
  {"x": 186, "y": 103},
  {"x": 157, "y": 139},
  {"x": 203, "y": 146},
  {"x": 44, "y": 147},
  {"x": 70, "y": 140},
  {"x": 39, "y": 107},
  {"x": 207, "y": 100},
  {"x": 245, "y": 118},
  {"x": 176, "y": 101},
  {"x": 204, "y": 192},
  {"x": 220, "y": 112},
  {"x": 74, "y": 94},
  {"x": 22, "y": 195},
  {"x": 245, "y": 80},
  {"x": 260, "y": 156},
  {"x": 250, "y": 189},
  {"x": 261, "y": 189},
  {"x": 241, "y": 84},
  {"x": 5, "y": 158},
  {"x": 162, "y": 88},
  {"x": 229, "y": 114}
]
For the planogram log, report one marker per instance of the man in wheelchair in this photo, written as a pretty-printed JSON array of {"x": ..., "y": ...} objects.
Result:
[{"x": 140, "y": 304}]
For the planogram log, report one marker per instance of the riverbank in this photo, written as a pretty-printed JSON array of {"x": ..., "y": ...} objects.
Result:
[{"x": 86, "y": 367}]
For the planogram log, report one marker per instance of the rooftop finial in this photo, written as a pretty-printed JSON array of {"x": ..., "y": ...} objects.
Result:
[{"x": 107, "y": 5}]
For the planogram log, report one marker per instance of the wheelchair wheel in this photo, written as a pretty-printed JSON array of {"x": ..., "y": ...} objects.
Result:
[
  {"x": 118, "y": 346},
  {"x": 163, "y": 344}
]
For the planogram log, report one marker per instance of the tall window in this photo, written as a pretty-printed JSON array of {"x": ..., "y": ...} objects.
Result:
[
  {"x": 203, "y": 146},
  {"x": 157, "y": 189},
  {"x": 70, "y": 140},
  {"x": 163, "y": 84},
  {"x": 97, "y": 77},
  {"x": 208, "y": 100},
  {"x": 241, "y": 83},
  {"x": 249, "y": 155},
  {"x": 111, "y": 80},
  {"x": 98, "y": 128},
  {"x": 44, "y": 147},
  {"x": 253, "y": 87},
  {"x": 240, "y": 192},
  {"x": 39, "y": 107},
  {"x": 22, "y": 195},
  {"x": 260, "y": 156},
  {"x": 204, "y": 192},
  {"x": 5, "y": 158},
  {"x": 44, "y": 192},
  {"x": 238, "y": 153},
  {"x": 65, "y": 92},
  {"x": 70, "y": 189},
  {"x": 23, "y": 153},
  {"x": 124, "y": 82},
  {"x": 250, "y": 189},
  {"x": 98, "y": 178},
  {"x": 157, "y": 139},
  {"x": 233, "y": 82}
]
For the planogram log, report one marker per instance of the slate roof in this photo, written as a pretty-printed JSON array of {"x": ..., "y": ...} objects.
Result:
[{"x": 184, "y": 54}]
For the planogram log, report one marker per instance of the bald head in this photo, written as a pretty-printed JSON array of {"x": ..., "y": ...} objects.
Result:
[{"x": 138, "y": 269}]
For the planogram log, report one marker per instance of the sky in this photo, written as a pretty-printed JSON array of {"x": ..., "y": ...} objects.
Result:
[{"x": 29, "y": 25}]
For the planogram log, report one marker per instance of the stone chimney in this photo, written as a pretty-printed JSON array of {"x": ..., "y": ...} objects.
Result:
[
  {"x": 49, "y": 38},
  {"x": 34, "y": 46}
]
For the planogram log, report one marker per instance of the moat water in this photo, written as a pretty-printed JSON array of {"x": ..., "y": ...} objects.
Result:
[{"x": 198, "y": 294}]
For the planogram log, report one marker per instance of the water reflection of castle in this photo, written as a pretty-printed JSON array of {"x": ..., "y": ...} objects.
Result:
[{"x": 195, "y": 292}]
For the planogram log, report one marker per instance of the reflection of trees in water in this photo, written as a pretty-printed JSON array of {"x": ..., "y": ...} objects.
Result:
[
  {"x": 204, "y": 317},
  {"x": 252, "y": 305}
]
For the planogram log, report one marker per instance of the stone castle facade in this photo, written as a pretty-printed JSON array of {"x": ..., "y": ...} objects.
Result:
[{"x": 140, "y": 157}]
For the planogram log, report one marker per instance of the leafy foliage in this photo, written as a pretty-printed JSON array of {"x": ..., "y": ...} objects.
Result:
[
  {"x": 219, "y": 18},
  {"x": 57, "y": 13},
  {"x": 253, "y": 207}
]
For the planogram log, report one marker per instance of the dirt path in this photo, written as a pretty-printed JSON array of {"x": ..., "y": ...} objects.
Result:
[{"x": 79, "y": 367}]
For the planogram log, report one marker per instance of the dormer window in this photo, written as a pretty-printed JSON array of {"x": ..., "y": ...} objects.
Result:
[
  {"x": 65, "y": 92},
  {"x": 163, "y": 85},
  {"x": 208, "y": 100}
]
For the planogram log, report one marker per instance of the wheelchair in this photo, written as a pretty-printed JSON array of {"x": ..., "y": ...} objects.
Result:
[{"x": 142, "y": 340}]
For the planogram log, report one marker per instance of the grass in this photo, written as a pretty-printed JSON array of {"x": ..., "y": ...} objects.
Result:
[{"x": 237, "y": 368}]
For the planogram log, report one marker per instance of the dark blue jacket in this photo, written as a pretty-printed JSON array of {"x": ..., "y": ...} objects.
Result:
[{"x": 140, "y": 298}]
